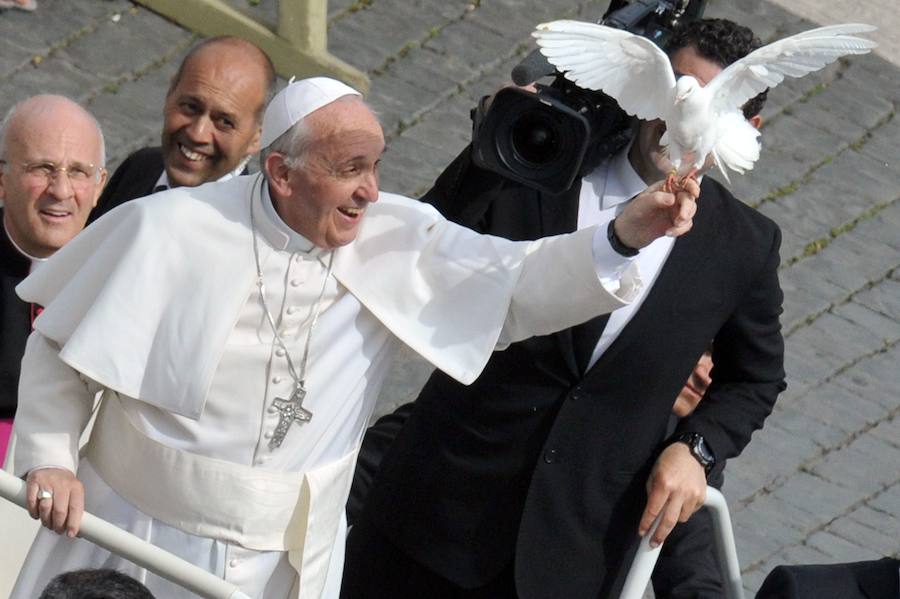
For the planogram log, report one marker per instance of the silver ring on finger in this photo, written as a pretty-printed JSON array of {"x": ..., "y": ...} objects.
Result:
[{"x": 44, "y": 494}]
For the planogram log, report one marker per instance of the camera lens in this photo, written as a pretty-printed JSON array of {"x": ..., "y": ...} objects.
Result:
[{"x": 535, "y": 139}]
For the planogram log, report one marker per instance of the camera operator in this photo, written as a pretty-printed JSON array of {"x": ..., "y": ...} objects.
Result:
[{"x": 536, "y": 480}]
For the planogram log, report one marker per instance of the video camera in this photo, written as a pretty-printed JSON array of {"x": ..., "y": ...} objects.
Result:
[{"x": 548, "y": 138}]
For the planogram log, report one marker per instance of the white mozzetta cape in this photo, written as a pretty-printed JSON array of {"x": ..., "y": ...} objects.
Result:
[{"x": 143, "y": 300}]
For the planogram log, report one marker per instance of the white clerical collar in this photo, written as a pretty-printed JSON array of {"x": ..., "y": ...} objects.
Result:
[
  {"x": 35, "y": 261},
  {"x": 622, "y": 181},
  {"x": 276, "y": 231},
  {"x": 163, "y": 182}
]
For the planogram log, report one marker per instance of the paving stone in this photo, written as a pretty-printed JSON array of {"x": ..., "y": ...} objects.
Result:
[
  {"x": 754, "y": 541},
  {"x": 876, "y": 521},
  {"x": 881, "y": 146},
  {"x": 777, "y": 452},
  {"x": 53, "y": 78},
  {"x": 877, "y": 541},
  {"x": 807, "y": 292},
  {"x": 792, "y": 421},
  {"x": 456, "y": 40},
  {"x": 837, "y": 337},
  {"x": 861, "y": 466},
  {"x": 12, "y": 57},
  {"x": 888, "y": 431},
  {"x": 836, "y": 405},
  {"x": 870, "y": 322},
  {"x": 888, "y": 503},
  {"x": 840, "y": 549},
  {"x": 879, "y": 230},
  {"x": 874, "y": 381}
]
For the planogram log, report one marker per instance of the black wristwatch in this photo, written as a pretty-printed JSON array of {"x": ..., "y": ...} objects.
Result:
[
  {"x": 699, "y": 449},
  {"x": 616, "y": 243}
]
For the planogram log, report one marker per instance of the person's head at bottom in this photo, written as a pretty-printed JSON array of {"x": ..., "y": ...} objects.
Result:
[{"x": 95, "y": 584}]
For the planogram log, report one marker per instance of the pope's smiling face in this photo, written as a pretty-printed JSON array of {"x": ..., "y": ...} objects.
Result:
[
  {"x": 325, "y": 195},
  {"x": 211, "y": 119},
  {"x": 44, "y": 206}
]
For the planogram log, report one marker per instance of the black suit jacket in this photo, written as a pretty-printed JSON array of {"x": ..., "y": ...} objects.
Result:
[
  {"x": 535, "y": 461},
  {"x": 858, "y": 580},
  {"x": 15, "y": 321},
  {"x": 135, "y": 178}
]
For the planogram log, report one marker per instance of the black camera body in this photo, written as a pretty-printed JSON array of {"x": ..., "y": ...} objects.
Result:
[{"x": 547, "y": 139}]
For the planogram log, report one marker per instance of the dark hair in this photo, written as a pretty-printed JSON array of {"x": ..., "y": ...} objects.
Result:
[
  {"x": 723, "y": 42},
  {"x": 264, "y": 61},
  {"x": 95, "y": 584}
]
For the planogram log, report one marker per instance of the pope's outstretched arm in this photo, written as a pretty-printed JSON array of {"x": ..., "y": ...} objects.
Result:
[{"x": 537, "y": 305}]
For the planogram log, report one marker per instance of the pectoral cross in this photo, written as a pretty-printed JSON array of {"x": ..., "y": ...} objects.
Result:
[{"x": 290, "y": 410}]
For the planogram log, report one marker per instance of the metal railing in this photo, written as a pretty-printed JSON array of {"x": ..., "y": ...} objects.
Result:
[
  {"x": 205, "y": 584},
  {"x": 142, "y": 553},
  {"x": 726, "y": 552}
]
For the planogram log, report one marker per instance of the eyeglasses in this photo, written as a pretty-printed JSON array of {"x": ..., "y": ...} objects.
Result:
[{"x": 44, "y": 172}]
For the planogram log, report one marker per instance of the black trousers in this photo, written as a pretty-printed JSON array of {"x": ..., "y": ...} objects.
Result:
[{"x": 375, "y": 568}]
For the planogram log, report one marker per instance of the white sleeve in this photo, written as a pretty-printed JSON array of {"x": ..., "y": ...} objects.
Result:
[
  {"x": 54, "y": 406},
  {"x": 567, "y": 280},
  {"x": 615, "y": 271}
]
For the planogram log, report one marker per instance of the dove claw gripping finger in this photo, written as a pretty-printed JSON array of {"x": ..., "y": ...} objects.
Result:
[{"x": 673, "y": 184}]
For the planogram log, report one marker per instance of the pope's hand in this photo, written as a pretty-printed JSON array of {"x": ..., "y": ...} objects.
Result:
[
  {"x": 676, "y": 488},
  {"x": 655, "y": 212},
  {"x": 56, "y": 497}
]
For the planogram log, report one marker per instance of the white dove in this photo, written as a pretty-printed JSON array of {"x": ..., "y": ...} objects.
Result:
[{"x": 700, "y": 120}]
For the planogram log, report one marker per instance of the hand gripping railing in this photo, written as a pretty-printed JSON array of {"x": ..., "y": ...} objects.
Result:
[
  {"x": 142, "y": 553},
  {"x": 645, "y": 559}
]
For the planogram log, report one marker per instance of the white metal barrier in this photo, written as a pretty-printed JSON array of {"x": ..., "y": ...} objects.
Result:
[
  {"x": 142, "y": 553},
  {"x": 203, "y": 583},
  {"x": 645, "y": 559}
]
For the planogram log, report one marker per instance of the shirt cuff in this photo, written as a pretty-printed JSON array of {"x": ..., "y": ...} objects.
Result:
[{"x": 618, "y": 274}]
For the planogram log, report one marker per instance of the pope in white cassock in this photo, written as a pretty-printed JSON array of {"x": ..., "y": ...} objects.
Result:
[{"x": 240, "y": 331}]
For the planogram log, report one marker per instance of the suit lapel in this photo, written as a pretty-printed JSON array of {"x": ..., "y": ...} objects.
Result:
[{"x": 690, "y": 255}]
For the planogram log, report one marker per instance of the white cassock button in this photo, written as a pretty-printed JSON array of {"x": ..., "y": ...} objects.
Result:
[
  {"x": 233, "y": 563},
  {"x": 279, "y": 352},
  {"x": 276, "y": 379},
  {"x": 272, "y": 409},
  {"x": 292, "y": 309},
  {"x": 268, "y": 435},
  {"x": 295, "y": 282}
]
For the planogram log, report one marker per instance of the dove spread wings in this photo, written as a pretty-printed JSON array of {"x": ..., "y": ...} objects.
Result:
[{"x": 638, "y": 74}]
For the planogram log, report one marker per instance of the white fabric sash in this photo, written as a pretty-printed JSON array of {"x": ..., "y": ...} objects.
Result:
[{"x": 258, "y": 509}]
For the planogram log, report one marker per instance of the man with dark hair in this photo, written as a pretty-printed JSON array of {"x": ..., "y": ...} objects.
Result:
[
  {"x": 212, "y": 118},
  {"x": 95, "y": 584},
  {"x": 536, "y": 480}
]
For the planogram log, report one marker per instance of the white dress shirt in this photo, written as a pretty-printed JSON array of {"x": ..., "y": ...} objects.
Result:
[{"x": 604, "y": 193}]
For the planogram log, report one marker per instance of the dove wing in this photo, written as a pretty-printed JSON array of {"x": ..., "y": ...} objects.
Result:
[
  {"x": 630, "y": 68},
  {"x": 737, "y": 143},
  {"x": 793, "y": 56}
]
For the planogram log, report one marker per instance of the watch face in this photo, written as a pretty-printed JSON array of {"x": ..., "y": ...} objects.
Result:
[{"x": 703, "y": 451}]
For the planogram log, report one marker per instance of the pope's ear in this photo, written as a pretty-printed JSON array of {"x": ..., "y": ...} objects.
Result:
[
  {"x": 756, "y": 121},
  {"x": 278, "y": 173}
]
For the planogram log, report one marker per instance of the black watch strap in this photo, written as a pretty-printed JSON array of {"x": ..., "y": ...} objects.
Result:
[
  {"x": 699, "y": 449},
  {"x": 616, "y": 243}
]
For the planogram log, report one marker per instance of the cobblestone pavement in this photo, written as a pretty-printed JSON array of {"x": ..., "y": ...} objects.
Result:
[{"x": 821, "y": 482}]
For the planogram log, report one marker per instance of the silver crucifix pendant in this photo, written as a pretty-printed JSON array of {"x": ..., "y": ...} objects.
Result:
[{"x": 290, "y": 410}]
